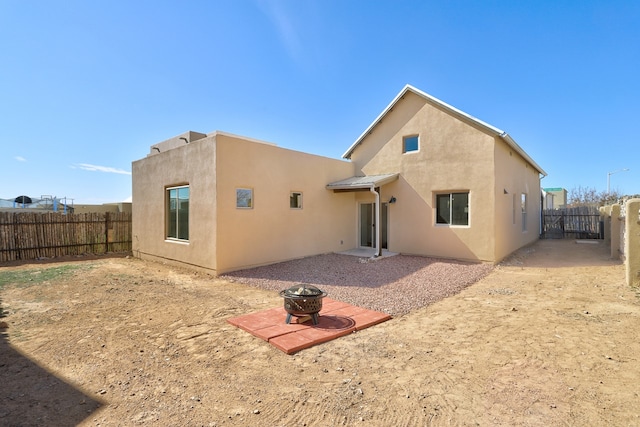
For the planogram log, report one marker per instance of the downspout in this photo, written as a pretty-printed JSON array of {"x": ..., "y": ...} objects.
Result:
[
  {"x": 378, "y": 247},
  {"x": 541, "y": 207}
]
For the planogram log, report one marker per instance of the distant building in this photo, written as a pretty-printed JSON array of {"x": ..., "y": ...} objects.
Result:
[
  {"x": 32, "y": 204},
  {"x": 103, "y": 208},
  {"x": 61, "y": 205},
  {"x": 554, "y": 198}
]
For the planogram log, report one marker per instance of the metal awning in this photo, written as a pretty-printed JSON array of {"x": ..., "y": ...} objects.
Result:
[
  {"x": 370, "y": 183},
  {"x": 357, "y": 183}
]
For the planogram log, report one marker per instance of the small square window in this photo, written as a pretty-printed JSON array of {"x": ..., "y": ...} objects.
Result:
[
  {"x": 295, "y": 200},
  {"x": 244, "y": 198},
  {"x": 410, "y": 143}
]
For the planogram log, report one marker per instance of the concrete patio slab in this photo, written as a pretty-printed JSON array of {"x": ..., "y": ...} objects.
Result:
[{"x": 368, "y": 253}]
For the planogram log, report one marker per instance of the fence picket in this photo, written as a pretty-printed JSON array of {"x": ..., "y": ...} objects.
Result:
[
  {"x": 582, "y": 222},
  {"x": 28, "y": 235}
]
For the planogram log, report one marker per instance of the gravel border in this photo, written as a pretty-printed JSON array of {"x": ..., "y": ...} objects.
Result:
[{"x": 394, "y": 285}]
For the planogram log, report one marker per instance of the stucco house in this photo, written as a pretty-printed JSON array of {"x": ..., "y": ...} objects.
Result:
[{"x": 424, "y": 179}]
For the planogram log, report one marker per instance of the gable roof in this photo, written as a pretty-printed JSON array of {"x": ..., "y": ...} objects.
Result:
[{"x": 454, "y": 112}]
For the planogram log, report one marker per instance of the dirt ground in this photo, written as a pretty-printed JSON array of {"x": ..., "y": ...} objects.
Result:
[{"x": 550, "y": 337}]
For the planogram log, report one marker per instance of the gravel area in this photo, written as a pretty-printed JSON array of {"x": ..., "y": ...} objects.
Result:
[{"x": 394, "y": 285}]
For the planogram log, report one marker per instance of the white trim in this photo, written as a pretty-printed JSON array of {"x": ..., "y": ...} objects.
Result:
[
  {"x": 179, "y": 241},
  {"x": 253, "y": 203},
  {"x": 452, "y": 110},
  {"x": 404, "y": 138},
  {"x": 377, "y": 238},
  {"x": 450, "y": 193},
  {"x": 166, "y": 217}
]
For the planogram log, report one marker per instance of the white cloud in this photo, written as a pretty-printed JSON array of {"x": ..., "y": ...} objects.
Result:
[
  {"x": 96, "y": 168},
  {"x": 283, "y": 24},
  {"x": 20, "y": 158}
]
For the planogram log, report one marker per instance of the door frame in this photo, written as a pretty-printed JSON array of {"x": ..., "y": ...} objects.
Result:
[{"x": 384, "y": 231}]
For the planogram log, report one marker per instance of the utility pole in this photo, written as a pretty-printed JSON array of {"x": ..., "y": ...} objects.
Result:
[{"x": 609, "y": 178}]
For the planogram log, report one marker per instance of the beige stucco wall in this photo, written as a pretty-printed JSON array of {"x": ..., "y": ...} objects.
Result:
[
  {"x": 631, "y": 242},
  {"x": 175, "y": 142},
  {"x": 271, "y": 231},
  {"x": 222, "y": 237},
  {"x": 454, "y": 156},
  {"x": 193, "y": 164},
  {"x": 514, "y": 176},
  {"x": 610, "y": 215}
]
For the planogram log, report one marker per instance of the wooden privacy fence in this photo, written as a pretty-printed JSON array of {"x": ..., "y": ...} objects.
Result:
[
  {"x": 29, "y": 235},
  {"x": 575, "y": 223}
]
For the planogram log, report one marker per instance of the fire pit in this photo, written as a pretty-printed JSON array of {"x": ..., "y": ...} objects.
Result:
[{"x": 303, "y": 300}]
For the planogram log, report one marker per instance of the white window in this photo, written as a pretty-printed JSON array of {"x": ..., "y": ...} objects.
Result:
[
  {"x": 295, "y": 200},
  {"x": 452, "y": 208},
  {"x": 177, "y": 213},
  {"x": 244, "y": 198},
  {"x": 523, "y": 204},
  {"x": 410, "y": 143}
]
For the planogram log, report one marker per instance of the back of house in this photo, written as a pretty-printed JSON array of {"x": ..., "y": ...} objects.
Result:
[{"x": 424, "y": 179}]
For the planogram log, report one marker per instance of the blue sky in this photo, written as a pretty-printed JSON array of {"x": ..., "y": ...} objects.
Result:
[{"x": 87, "y": 86}]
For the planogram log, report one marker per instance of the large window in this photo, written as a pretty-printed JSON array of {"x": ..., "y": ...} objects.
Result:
[
  {"x": 178, "y": 213},
  {"x": 410, "y": 143},
  {"x": 244, "y": 198},
  {"x": 452, "y": 208}
]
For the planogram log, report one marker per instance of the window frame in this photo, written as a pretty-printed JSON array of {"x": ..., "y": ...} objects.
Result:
[
  {"x": 523, "y": 205},
  {"x": 451, "y": 215},
  {"x": 251, "y": 198},
  {"x": 176, "y": 235},
  {"x": 410, "y": 137},
  {"x": 298, "y": 200}
]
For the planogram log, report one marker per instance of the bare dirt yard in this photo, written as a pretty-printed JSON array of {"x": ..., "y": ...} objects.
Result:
[{"x": 551, "y": 336}]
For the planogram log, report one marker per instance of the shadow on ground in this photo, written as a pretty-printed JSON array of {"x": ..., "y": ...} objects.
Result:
[{"x": 30, "y": 395}]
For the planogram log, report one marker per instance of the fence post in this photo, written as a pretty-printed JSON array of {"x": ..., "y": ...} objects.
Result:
[
  {"x": 632, "y": 242},
  {"x": 106, "y": 232},
  {"x": 614, "y": 230},
  {"x": 605, "y": 218}
]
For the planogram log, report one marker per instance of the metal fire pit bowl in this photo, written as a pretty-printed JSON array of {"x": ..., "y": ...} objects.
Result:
[{"x": 303, "y": 300}]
